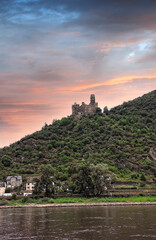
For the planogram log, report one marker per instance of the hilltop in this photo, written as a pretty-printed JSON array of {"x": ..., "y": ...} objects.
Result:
[{"x": 123, "y": 138}]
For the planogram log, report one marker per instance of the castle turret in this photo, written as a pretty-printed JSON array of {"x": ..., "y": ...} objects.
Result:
[{"x": 92, "y": 99}]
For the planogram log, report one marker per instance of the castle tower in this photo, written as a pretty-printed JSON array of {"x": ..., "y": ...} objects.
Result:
[
  {"x": 92, "y": 99},
  {"x": 79, "y": 110}
]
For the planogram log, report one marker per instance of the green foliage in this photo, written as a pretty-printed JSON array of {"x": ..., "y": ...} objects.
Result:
[
  {"x": 92, "y": 179},
  {"x": 46, "y": 183},
  {"x": 82, "y": 180},
  {"x": 77, "y": 200},
  {"x": 120, "y": 138},
  {"x": 6, "y": 160},
  {"x": 14, "y": 196},
  {"x": 4, "y": 202},
  {"x": 105, "y": 110},
  {"x": 25, "y": 199},
  {"x": 8, "y": 190},
  {"x": 98, "y": 110},
  {"x": 143, "y": 178},
  {"x": 101, "y": 179}
]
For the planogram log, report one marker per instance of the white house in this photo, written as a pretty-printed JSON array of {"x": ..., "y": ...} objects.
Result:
[
  {"x": 2, "y": 188},
  {"x": 30, "y": 184}
]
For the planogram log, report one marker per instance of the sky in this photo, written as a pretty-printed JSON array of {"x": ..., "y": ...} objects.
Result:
[{"x": 54, "y": 53}]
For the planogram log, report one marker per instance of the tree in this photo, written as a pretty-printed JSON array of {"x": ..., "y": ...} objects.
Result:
[
  {"x": 92, "y": 179},
  {"x": 143, "y": 178},
  {"x": 83, "y": 181},
  {"x": 105, "y": 110},
  {"x": 98, "y": 110},
  {"x": 101, "y": 179},
  {"x": 6, "y": 160},
  {"x": 38, "y": 187},
  {"x": 46, "y": 183}
]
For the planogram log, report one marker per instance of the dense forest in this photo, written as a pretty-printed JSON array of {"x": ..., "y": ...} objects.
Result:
[{"x": 122, "y": 139}]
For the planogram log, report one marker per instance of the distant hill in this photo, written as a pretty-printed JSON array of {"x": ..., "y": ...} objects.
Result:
[{"x": 124, "y": 139}]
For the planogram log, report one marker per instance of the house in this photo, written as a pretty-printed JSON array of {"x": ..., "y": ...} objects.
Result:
[
  {"x": 30, "y": 184},
  {"x": 14, "y": 181},
  {"x": 2, "y": 188}
]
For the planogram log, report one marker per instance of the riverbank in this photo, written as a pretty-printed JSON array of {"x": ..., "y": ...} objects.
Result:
[{"x": 77, "y": 202}]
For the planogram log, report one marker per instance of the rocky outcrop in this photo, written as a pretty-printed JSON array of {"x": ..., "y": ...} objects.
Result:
[{"x": 152, "y": 153}]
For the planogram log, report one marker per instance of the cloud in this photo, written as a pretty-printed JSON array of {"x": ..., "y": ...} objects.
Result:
[
  {"x": 111, "y": 82},
  {"x": 129, "y": 15},
  {"x": 3, "y": 123},
  {"x": 149, "y": 56},
  {"x": 55, "y": 52},
  {"x": 25, "y": 107}
]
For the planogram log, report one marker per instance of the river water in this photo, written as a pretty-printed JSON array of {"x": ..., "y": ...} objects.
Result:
[{"x": 79, "y": 223}]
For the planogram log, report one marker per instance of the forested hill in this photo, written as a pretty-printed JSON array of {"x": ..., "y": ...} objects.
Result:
[
  {"x": 124, "y": 139},
  {"x": 144, "y": 106}
]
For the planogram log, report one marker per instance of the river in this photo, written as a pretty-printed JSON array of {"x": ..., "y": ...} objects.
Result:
[{"x": 79, "y": 223}]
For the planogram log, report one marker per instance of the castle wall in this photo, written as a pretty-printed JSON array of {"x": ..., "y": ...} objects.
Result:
[{"x": 78, "y": 110}]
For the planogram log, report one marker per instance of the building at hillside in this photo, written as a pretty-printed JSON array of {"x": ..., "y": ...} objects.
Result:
[
  {"x": 30, "y": 184},
  {"x": 2, "y": 188},
  {"x": 78, "y": 110},
  {"x": 14, "y": 181}
]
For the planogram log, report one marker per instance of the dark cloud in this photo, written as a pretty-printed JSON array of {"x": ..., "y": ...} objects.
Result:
[
  {"x": 29, "y": 24},
  {"x": 104, "y": 15}
]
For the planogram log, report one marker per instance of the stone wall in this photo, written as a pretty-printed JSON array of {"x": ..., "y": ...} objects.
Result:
[{"x": 78, "y": 110}]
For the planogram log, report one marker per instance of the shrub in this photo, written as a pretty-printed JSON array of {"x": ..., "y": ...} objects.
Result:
[
  {"x": 134, "y": 176},
  {"x": 3, "y": 202},
  {"x": 8, "y": 190},
  {"x": 51, "y": 200},
  {"x": 112, "y": 168},
  {"x": 14, "y": 196},
  {"x": 25, "y": 199},
  {"x": 143, "y": 178},
  {"x": 142, "y": 184},
  {"x": 6, "y": 160}
]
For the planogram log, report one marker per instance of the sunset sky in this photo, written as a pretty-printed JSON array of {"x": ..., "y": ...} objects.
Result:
[{"x": 54, "y": 53}]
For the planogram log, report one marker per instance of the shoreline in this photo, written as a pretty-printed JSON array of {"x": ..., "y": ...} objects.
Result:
[{"x": 54, "y": 205}]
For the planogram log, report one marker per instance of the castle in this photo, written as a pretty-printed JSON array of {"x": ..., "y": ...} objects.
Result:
[{"x": 78, "y": 110}]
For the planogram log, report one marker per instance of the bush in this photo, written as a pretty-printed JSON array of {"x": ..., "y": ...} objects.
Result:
[
  {"x": 112, "y": 168},
  {"x": 45, "y": 200},
  {"x": 142, "y": 184},
  {"x": 14, "y": 196},
  {"x": 51, "y": 200},
  {"x": 25, "y": 200},
  {"x": 8, "y": 190},
  {"x": 3, "y": 202},
  {"x": 134, "y": 176},
  {"x": 143, "y": 178},
  {"x": 6, "y": 160}
]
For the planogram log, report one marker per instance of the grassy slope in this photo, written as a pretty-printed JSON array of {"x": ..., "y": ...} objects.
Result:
[{"x": 121, "y": 139}]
